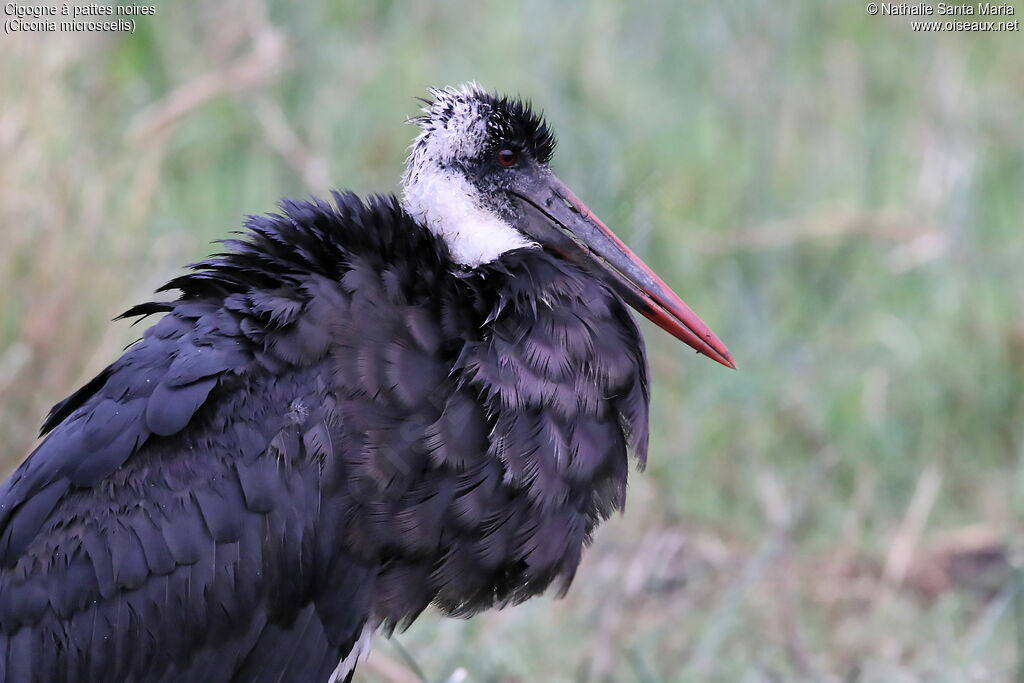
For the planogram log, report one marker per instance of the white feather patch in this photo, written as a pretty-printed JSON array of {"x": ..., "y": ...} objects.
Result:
[
  {"x": 360, "y": 651},
  {"x": 437, "y": 194},
  {"x": 448, "y": 206}
]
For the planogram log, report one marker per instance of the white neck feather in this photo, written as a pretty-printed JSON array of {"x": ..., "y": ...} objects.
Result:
[{"x": 448, "y": 206}]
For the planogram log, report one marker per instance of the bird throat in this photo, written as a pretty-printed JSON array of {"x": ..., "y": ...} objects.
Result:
[{"x": 446, "y": 204}]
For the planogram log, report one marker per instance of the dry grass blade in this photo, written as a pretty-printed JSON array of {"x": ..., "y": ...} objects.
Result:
[
  {"x": 701, "y": 662},
  {"x": 907, "y": 538}
]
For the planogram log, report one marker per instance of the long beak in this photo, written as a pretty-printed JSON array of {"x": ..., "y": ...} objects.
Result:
[{"x": 568, "y": 226}]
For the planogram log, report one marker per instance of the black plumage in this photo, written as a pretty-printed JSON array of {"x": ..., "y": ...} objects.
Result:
[
  {"x": 332, "y": 427},
  {"x": 295, "y": 456}
]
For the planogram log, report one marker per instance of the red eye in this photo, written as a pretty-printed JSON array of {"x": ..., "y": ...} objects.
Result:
[{"x": 507, "y": 157}]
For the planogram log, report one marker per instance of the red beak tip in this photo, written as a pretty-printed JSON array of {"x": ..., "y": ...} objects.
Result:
[
  {"x": 727, "y": 359},
  {"x": 721, "y": 357}
]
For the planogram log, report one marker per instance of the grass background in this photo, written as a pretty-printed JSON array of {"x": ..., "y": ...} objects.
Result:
[{"x": 839, "y": 197}]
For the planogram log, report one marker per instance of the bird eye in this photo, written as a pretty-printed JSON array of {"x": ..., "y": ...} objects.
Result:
[{"x": 507, "y": 157}]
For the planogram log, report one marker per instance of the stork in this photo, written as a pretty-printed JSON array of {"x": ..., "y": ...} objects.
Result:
[{"x": 358, "y": 410}]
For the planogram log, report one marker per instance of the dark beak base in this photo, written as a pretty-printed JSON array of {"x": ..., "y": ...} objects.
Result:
[{"x": 566, "y": 225}]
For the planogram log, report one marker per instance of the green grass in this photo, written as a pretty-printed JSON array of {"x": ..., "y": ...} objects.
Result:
[{"x": 838, "y": 197}]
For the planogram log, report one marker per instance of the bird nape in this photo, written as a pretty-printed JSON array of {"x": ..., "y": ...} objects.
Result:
[{"x": 355, "y": 411}]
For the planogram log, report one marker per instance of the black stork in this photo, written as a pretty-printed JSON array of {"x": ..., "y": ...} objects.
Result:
[{"x": 356, "y": 411}]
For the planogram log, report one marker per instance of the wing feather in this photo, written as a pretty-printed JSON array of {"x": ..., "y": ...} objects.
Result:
[{"x": 325, "y": 433}]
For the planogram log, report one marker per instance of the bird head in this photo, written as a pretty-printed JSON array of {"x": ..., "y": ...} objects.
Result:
[{"x": 478, "y": 176}]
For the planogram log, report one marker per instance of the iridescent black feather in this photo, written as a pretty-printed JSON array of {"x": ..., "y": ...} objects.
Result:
[
  {"x": 514, "y": 123},
  {"x": 331, "y": 428}
]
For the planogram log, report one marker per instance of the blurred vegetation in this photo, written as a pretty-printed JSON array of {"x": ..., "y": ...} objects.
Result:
[{"x": 839, "y": 197}]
